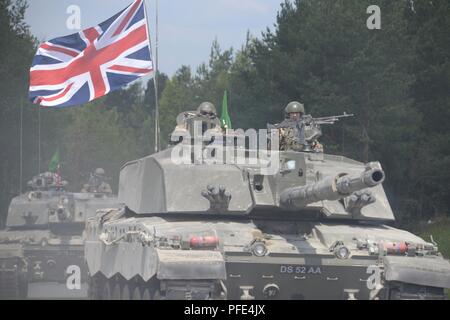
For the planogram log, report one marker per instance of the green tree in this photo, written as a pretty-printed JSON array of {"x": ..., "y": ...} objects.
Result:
[
  {"x": 429, "y": 27},
  {"x": 94, "y": 139},
  {"x": 17, "y": 47},
  {"x": 179, "y": 95},
  {"x": 149, "y": 106}
]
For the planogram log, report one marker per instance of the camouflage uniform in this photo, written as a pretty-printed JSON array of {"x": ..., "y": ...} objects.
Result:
[
  {"x": 97, "y": 184},
  {"x": 206, "y": 114},
  {"x": 299, "y": 132},
  {"x": 292, "y": 135},
  {"x": 292, "y": 131},
  {"x": 104, "y": 187}
]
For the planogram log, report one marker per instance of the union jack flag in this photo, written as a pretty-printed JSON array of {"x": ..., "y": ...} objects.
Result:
[{"x": 84, "y": 66}]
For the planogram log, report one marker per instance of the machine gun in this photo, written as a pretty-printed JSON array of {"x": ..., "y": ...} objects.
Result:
[
  {"x": 326, "y": 120},
  {"x": 309, "y": 121},
  {"x": 308, "y": 128}
]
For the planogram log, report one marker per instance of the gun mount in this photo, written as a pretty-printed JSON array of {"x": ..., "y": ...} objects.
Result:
[
  {"x": 331, "y": 188},
  {"x": 63, "y": 211}
]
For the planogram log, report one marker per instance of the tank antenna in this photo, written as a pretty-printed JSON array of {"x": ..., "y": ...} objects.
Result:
[
  {"x": 39, "y": 139},
  {"x": 156, "y": 78},
  {"x": 155, "y": 74},
  {"x": 21, "y": 146}
]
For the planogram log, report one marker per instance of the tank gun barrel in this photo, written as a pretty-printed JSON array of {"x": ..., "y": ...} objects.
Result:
[{"x": 331, "y": 188}]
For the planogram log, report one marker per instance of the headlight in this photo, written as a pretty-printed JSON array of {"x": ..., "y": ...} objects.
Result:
[
  {"x": 341, "y": 252},
  {"x": 259, "y": 249},
  {"x": 290, "y": 165}
]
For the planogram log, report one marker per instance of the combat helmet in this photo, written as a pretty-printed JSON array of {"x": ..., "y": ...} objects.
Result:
[
  {"x": 207, "y": 108},
  {"x": 295, "y": 107},
  {"x": 100, "y": 171}
]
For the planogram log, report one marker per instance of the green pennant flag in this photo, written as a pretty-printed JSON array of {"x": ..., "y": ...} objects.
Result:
[
  {"x": 225, "y": 120},
  {"x": 53, "y": 165}
]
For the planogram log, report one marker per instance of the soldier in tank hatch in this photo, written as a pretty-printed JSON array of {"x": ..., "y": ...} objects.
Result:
[
  {"x": 97, "y": 183},
  {"x": 206, "y": 115},
  {"x": 298, "y": 132}
]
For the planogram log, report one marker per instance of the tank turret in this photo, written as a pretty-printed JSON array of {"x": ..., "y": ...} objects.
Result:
[
  {"x": 335, "y": 185},
  {"x": 47, "y": 181}
]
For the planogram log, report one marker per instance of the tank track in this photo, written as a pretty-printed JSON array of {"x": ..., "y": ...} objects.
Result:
[
  {"x": 406, "y": 291},
  {"x": 12, "y": 286},
  {"x": 117, "y": 288}
]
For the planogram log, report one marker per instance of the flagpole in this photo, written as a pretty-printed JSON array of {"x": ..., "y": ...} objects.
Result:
[
  {"x": 21, "y": 146},
  {"x": 39, "y": 139},
  {"x": 155, "y": 74},
  {"x": 155, "y": 81}
]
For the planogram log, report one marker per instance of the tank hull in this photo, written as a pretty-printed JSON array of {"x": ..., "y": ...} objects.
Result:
[
  {"x": 51, "y": 264},
  {"x": 43, "y": 248},
  {"x": 299, "y": 263},
  {"x": 314, "y": 227}
]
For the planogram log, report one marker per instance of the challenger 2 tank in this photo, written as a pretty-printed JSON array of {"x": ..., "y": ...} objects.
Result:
[
  {"x": 279, "y": 225},
  {"x": 44, "y": 234}
]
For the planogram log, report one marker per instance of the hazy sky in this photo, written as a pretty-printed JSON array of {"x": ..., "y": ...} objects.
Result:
[{"x": 187, "y": 27}]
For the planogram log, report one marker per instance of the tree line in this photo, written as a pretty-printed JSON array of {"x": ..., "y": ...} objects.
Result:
[{"x": 396, "y": 81}]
